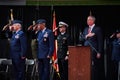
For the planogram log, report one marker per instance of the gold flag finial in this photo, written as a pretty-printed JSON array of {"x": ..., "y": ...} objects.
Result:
[
  {"x": 53, "y": 13},
  {"x": 90, "y": 13},
  {"x": 7, "y": 25},
  {"x": 11, "y": 14},
  {"x": 33, "y": 22}
]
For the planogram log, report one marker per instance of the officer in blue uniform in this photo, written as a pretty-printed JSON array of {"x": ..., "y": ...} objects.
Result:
[
  {"x": 18, "y": 47},
  {"x": 45, "y": 49},
  {"x": 115, "y": 56}
]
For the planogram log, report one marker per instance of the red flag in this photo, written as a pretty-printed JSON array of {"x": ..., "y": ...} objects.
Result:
[{"x": 55, "y": 50}]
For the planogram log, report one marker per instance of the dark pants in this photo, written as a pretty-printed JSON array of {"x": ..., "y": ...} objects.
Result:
[
  {"x": 63, "y": 69},
  {"x": 97, "y": 71},
  {"x": 4, "y": 48},
  {"x": 44, "y": 69},
  {"x": 19, "y": 68},
  {"x": 114, "y": 70}
]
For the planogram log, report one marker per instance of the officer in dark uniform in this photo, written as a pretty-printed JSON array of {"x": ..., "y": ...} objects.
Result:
[
  {"x": 116, "y": 55},
  {"x": 62, "y": 54},
  {"x": 4, "y": 45},
  {"x": 32, "y": 35},
  {"x": 18, "y": 48},
  {"x": 5, "y": 35},
  {"x": 34, "y": 47}
]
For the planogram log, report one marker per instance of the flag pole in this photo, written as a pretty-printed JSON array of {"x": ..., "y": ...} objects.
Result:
[
  {"x": 11, "y": 14},
  {"x": 90, "y": 14},
  {"x": 10, "y": 20},
  {"x": 51, "y": 61},
  {"x": 54, "y": 28}
]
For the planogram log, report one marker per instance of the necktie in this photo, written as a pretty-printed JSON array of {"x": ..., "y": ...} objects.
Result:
[
  {"x": 89, "y": 30},
  {"x": 40, "y": 34}
]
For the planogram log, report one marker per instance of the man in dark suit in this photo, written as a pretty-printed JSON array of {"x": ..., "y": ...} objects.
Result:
[
  {"x": 94, "y": 38},
  {"x": 45, "y": 49},
  {"x": 62, "y": 55},
  {"x": 18, "y": 47}
]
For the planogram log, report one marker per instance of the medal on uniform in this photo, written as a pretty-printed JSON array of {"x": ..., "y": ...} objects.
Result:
[
  {"x": 17, "y": 36},
  {"x": 64, "y": 39},
  {"x": 45, "y": 36}
]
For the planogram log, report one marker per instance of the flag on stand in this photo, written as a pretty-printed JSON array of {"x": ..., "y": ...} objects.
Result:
[{"x": 54, "y": 58}]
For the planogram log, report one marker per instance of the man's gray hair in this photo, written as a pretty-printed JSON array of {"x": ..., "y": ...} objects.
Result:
[{"x": 92, "y": 17}]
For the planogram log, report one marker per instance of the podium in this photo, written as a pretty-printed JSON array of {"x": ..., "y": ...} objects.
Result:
[{"x": 79, "y": 65}]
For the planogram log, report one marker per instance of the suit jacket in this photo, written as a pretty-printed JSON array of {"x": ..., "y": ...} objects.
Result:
[
  {"x": 96, "y": 41},
  {"x": 18, "y": 45},
  {"x": 45, "y": 43}
]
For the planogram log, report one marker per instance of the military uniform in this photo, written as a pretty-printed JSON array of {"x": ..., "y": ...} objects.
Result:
[
  {"x": 62, "y": 45},
  {"x": 18, "y": 48},
  {"x": 34, "y": 44},
  {"x": 45, "y": 50},
  {"x": 62, "y": 41},
  {"x": 115, "y": 57}
]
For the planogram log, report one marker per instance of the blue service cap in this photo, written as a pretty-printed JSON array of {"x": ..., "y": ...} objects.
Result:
[
  {"x": 16, "y": 21},
  {"x": 39, "y": 21}
]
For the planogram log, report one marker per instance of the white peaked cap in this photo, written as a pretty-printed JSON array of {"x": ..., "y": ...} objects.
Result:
[{"x": 62, "y": 24}]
